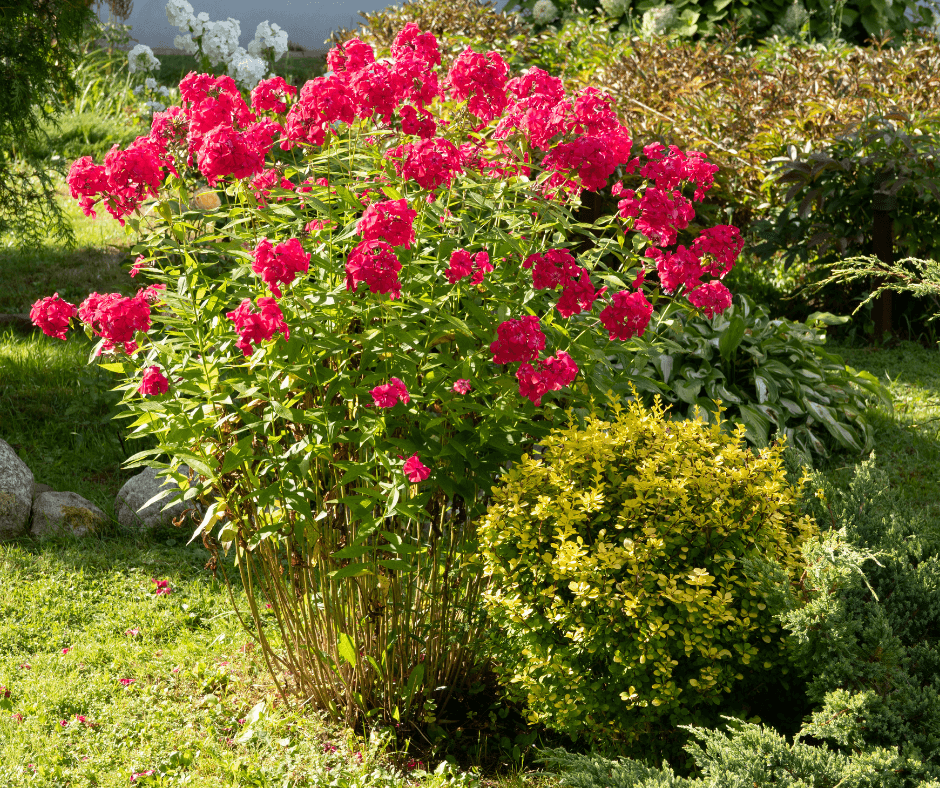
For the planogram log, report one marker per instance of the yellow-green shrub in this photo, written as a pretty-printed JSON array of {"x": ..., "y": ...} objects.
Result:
[{"x": 628, "y": 572}]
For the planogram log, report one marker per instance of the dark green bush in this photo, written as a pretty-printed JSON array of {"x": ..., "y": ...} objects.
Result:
[
  {"x": 773, "y": 376},
  {"x": 873, "y": 641}
]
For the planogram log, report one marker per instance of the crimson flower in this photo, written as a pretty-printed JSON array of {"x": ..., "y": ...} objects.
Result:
[
  {"x": 153, "y": 383},
  {"x": 388, "y": 395},
  {"x": 415, "y": 470}
]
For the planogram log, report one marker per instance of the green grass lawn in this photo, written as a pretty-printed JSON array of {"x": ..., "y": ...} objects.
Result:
[{"x": 101, "y": 679}]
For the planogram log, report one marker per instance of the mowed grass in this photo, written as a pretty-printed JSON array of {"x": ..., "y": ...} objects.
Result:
[
  {"x": 98, "y": 263},
  {"x": 101, "y": 679},
  {"x": 907, "y": 438}
]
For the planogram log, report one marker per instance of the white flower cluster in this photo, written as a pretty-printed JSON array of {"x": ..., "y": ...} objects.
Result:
[
  {"x": 543, "y": 12},
  {"x": 141, "y": 58},
  {"x": 269, "y": 36},
  {"x": 659, "y": 21},
  {"x": 615, "y": 8},
  {"x": 218, "y": 43}
]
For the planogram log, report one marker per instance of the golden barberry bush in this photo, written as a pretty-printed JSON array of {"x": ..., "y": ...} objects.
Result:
[{"x": 628, "y": 572}]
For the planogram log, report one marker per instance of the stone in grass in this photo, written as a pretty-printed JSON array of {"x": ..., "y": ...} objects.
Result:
[
  {"x": 65, "y": 513},
  {"x": 129, "y": 506},
  {"x": 16, "y": 493}
]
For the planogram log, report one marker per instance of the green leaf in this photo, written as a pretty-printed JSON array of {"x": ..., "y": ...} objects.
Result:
[
  {"x": 731, "y": 337},
  {"x": 347, "y": 649}
]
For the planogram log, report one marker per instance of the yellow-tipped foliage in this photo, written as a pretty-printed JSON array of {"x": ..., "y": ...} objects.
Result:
[{"x": 629, "y": 569}]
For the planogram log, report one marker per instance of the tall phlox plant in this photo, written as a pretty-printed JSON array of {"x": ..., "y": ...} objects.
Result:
[{"x": 390, "y": 300}]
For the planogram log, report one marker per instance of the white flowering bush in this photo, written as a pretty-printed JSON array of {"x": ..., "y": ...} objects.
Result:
[
  {"x": 216, "y": 44},
  {"x": 615, "y": 8},
  {"x": 544, "y": 12},
  {"x": 659, "y": 22},
  {"x": 141, "y": 59}
]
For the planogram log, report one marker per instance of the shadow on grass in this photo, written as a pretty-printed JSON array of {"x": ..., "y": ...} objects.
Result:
[{"x": 57, "y": 413}]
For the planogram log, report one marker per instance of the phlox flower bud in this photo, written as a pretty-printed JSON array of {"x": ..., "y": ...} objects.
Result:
[
  {"x": 51, "y": 315},
  {"x": 388, "y": 395},
  {"x": 153, "y": 383}
]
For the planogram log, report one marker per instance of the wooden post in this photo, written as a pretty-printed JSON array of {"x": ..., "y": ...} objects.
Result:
[{"x": 882, "y": 246}]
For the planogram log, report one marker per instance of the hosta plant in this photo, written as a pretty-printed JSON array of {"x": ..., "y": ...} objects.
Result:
[
  {"x": 775, "y": 376},
  {"x": 346, "y": 346}
]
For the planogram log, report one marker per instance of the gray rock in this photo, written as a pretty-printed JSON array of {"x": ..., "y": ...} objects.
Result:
[
  {"x": 65, "y": 513},
  {"x": 16, "y": 493},
  {"x": 130, "y": 508},
  {"x": 39, "y": 489}
]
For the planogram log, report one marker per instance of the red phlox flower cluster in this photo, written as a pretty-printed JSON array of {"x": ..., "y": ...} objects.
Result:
[
  {"x": 323, "y": 101},
  {"x": 388, "y": 395},
  {"x": 557, "y": 267},
  {"x": 411, "y": 42},
  {"x": 115, "y": 319},
  {"x": 551, "y": 268},
  {"x": 270, "y": 95},
  {"x": 255, "y": 327},
  {"x": 669, "y": 169},
  {"x": 415, "y": 471},
  {"x": 532, "y": 110},
  {"x": 461, "y": 386},
  {"x": 375, "y": 263},
  {"x": 463, "y": 264},
  {"x": 263, "y": 183},
  {"x": 722, "y": 243},
  {"x": 377, "y": 90},
  {"x": 712, "y": 298},
  {"x": 123, "y": 181},
  {"x": 578, "y": 294},
  {"x": 51, "y": 316},
  {"x": 627, "y": 315},
  {"x": 592, "y": 158},
  {"x": 659, "y": 215},
  {"x": 349, "y": 57},
  {"x": 429, "y": 163},
  {"x": 279, "y": 264},
  {"x": 677, "y": 269},
  {"x": 153, "y": 383},
  {"x": 152, "y": 294},
  {"x": 416, "y": 54},
  {"x": 225, "y": 151},
  {"x": 423, "y": 126},
  {"x": 481, "y": 79},
  {"x": 391, "y": 221},
  {"x": 592, "y": 113},
  {"x": 86, "y": 180},
  {"x": 552, "y": 374},
  {"x": 518, "y": 340}
]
